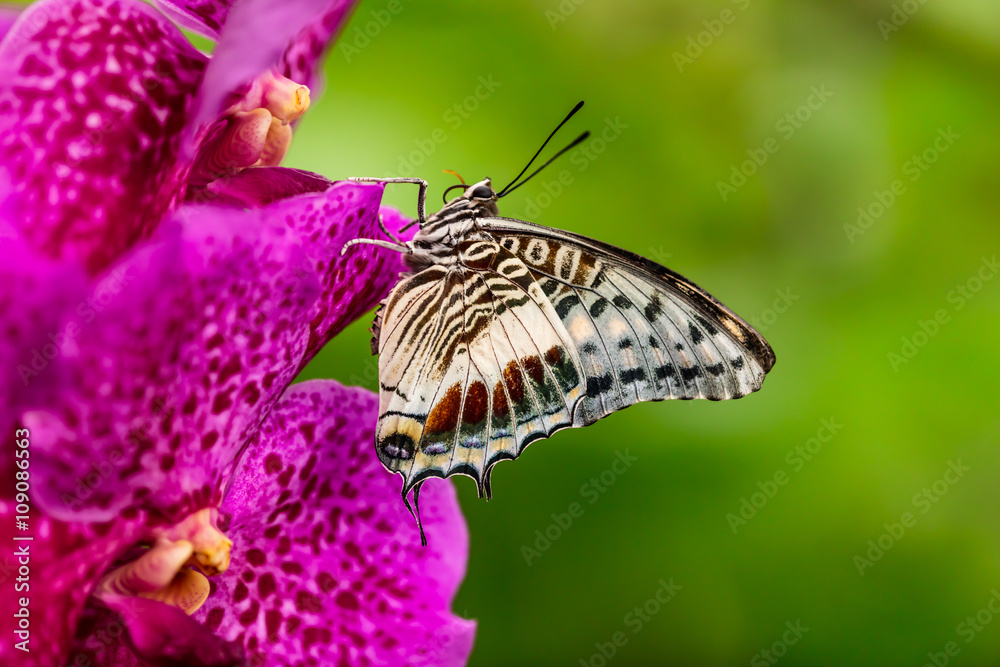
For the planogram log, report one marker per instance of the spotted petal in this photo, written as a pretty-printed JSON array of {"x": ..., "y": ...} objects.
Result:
[
  {"x": 332, "y": 572},
  {"x": 259, "y": 34},
  {"x": 349, "y": 289},
  {"x": 204, "y": 17},
  {"x": 64, "y": 561},
  {"x": 185, "y": 345},
  {"x": 303, "y": 56},
  {"x": 93, "y": 97},
  {"x": 33, "y": 292},
  {"x": 264, "y": 185}
]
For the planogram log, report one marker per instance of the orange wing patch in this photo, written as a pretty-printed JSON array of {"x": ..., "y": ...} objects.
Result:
[{"x": 443, "y": 416}]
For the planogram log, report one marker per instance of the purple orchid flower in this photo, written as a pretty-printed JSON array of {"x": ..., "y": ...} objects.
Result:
[
  {"x": 334, "y": 573},
  {"x": 176, "y": 397},
  {"x": 109, "y": 118},
  {"x": 170, "y": 282}
]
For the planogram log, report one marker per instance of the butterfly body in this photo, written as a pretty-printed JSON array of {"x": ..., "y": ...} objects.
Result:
[
  {"x": 505, "y": 332},
  {"x": 438, "y": 237}
]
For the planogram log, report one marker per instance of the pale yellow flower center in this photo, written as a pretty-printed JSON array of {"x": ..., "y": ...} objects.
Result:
[
  {"x": 175, "y": 567},
  {"x": 257, "y": 131}
]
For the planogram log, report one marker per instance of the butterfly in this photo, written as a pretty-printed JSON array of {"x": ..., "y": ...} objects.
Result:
[{"x": 506, "y": 331}]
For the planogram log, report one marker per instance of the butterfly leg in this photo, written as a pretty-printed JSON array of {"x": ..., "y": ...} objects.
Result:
[
  {"x": 405, "y": 249},
  {"x": 385, "y": 230},
  {"x": 395, "y": 244},
  {"x": 421, "y": 197}
]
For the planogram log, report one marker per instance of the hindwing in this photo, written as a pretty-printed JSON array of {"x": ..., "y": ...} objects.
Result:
[{"x": 474, "y": 365}]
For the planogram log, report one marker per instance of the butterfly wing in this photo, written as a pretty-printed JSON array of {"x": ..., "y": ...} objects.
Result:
[
  {"x": 642, "y": 331},
  {"x": 474, "y": 365},
  {"x": 536, "y": 330}
]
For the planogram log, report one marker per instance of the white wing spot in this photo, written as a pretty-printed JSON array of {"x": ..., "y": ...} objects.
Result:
[
  {"x": 537, "y": 251},
  {"x": 567, "y": 265},
  {"x": 618, "y": 328},
  {"x": 580, "y": 328}
]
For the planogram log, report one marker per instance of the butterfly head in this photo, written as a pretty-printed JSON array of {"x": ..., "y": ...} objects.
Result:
[
  {"x": 434, "y": 243},
  {"x": 478, "y": 198},
  {"x": 481, "y": 191}
]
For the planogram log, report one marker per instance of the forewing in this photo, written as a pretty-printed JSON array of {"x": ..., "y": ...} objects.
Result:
[
  {"x": 642, "y": 331},
  {"x": 474, "y": 365}
]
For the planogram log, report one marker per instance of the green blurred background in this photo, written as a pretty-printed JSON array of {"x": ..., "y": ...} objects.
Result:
[{"x": 834, "y": 302}]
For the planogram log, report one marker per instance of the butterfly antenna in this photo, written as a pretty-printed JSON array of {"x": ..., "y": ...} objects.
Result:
[
  {"x": 547, "y": 163},
  {"x": 531, "y": 161}
]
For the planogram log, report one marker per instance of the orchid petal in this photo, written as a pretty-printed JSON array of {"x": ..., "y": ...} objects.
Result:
[
  {"x": 8, "y": 15},
  {"x": 204, "y": 17},
  {"x": 304, "y": 55},
  {"x": 236, "y": 146},
  {"x": 64, "y": 561},
  {"x": 100, "y": 639},
  {"x": 165, "y": 635},
  {"x": 352, "y": 283},
  {"x": 170, "y": 366},
  {"x": 260, "y": 34},
  {"x": 94, "y": 95},
  {"x": 33, "y": 292},
  {"x": 262, "y": 185},
  {"x": 189, "y": 342},
  {"x": 332, "y": 572},
  {"x": 162, "y": 635}
]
